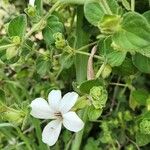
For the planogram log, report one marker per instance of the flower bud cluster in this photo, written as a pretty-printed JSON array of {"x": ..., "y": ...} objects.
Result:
[{"x": 98, "y": 96}]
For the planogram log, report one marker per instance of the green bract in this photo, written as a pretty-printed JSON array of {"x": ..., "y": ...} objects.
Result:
[
  {"x": 133, "y": 35},
  {"x": 145, "y": 126},
  {"x": 98, "y": 96},
  {"x": 53, "y": 26}
]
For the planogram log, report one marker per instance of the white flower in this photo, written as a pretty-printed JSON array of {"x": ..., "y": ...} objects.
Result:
[
  {"x": 58, "y": 109},
  {"x": 31, "y": 2}
]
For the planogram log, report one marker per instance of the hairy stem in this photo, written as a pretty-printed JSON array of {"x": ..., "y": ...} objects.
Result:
[
  {"x": 38, "y": 25},
  {"x": 132, "y": 5},
  {"x": 100, "y": 70},
  {"x": 7, "y": 46}
]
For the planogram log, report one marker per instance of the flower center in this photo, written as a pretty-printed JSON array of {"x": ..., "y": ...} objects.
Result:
[{"x": 58, "y": 114}]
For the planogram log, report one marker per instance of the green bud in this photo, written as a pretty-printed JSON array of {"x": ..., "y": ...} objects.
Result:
[
  {"x": 148, "y": 103},
  {"x": 116, "y": 47},
  {"x": 98, "y": 96},
  {"x": 60, "y": 42},
  {"x": 115, "y": 122},
  {"x": 16, "y": 40},
  {"x": 31, "y": 11},
  {"x": 13, "y": 116},
  {"x": 81, "y": 103},
  {"x": 106, "y": 137},
  {"x": 145, "y": 126},
  {"x": 110, "y": 24},
  {"x": 120, "y": 115},
  {"x": 130, "y": 147},
  {"x": 106, "y": 71},
  {"x": 69, "y": 50},
  {"x": 128, "y": 116},
  {"x": 104, "y": 126}
]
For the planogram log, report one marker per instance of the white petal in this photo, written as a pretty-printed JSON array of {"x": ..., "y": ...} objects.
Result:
[
  {"x": 54, "y": 98},
  {"x": 68, "y": 101},
  {"x": 72, "y": 122},
  {"x": 40, "y": 109},
  {"x": 51, "y": 132},
  {"x": 31, "y": 2}
]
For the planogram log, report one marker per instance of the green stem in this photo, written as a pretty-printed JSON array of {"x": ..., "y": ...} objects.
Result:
[
  {"x": 100, "y": 70},
  {"x": 88, "y": 54},
  {"x": 38, "y": 25},
  {"x": 36, "y": 124},
  {"x": 86, "y": 46},
  {"x": 7, "y": 46},
  {"x": 78, "y": 138},
  {"x": 61, "y": 69},
  {"x": 132, "y": 5},
  {"x": 81, "y": 40},
  {"x": 81, "y": 68},
  {"x": 119, "y": 84},
  {"x": 106, "y": 7}
]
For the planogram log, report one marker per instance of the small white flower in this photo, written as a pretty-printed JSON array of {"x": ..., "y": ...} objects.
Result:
[
  {"x": 58, "y": 109},
  {"x": 31, "y": 2}
]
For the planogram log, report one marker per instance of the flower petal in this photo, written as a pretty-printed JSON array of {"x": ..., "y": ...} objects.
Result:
[
  {"x": 51, "y": 132},
  {"x": 68, "y": 101},
  {"x": 72, "y": 122},
  {"x": 31, "y": 2},
  {"x": 54, "y": 98},
  {"x": 41, "y": 109}
]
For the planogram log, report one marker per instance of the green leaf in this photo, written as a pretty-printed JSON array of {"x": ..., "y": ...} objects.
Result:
[
  {"x": 17, "y": 26},
  {"x": 2, "y": 95},
  {"x": 73, "y": 1},
  {"x": 82, "y": 39},
  {"x": 87, "y": 85},
  {"x": 113, "y": 57},
  {"x": 116, "y": 58},
  {"x": 147, "y": 16},
  {"x": 143, "y": 65},
  {"x": 43, "y": 65},
  {"x": 142, "y": 139},
  {"x": 39, "y": 6},
  {"x": 126, "y": 4},
  {"x": 93, "y": 113},
  {"x": 133, "y": 35},
  {"x": 94, "y": 10},
  {"x": 4, "y": 59},
  {"x": 66, "y": 61},
  {"x": 127, "y": 68},
  {"x": 140, "y": 96},
  {"x": 81, "y": 103},
  {"x": 11, "y": 52},
  {"x": 53, "y": 26}
]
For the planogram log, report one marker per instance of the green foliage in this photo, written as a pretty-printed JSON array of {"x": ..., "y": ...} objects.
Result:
[
  {"x": 98, "y": 96},
  {"x": 43, "y": 65},
  {"x": 93, "y": 113},
  {"x": 133, "y": 35},
  {"x": 17, "y": 26},
  {"x": 145, "y": 126},
  {"x": 97, "y": 48},
  {"x": 143, "y": 64},
  {"x": 95, "y": 10},
  {"x": 87, "y": 85},
  {"x": 140, "y": 96},
  {"x": 53, "y": 26}
]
